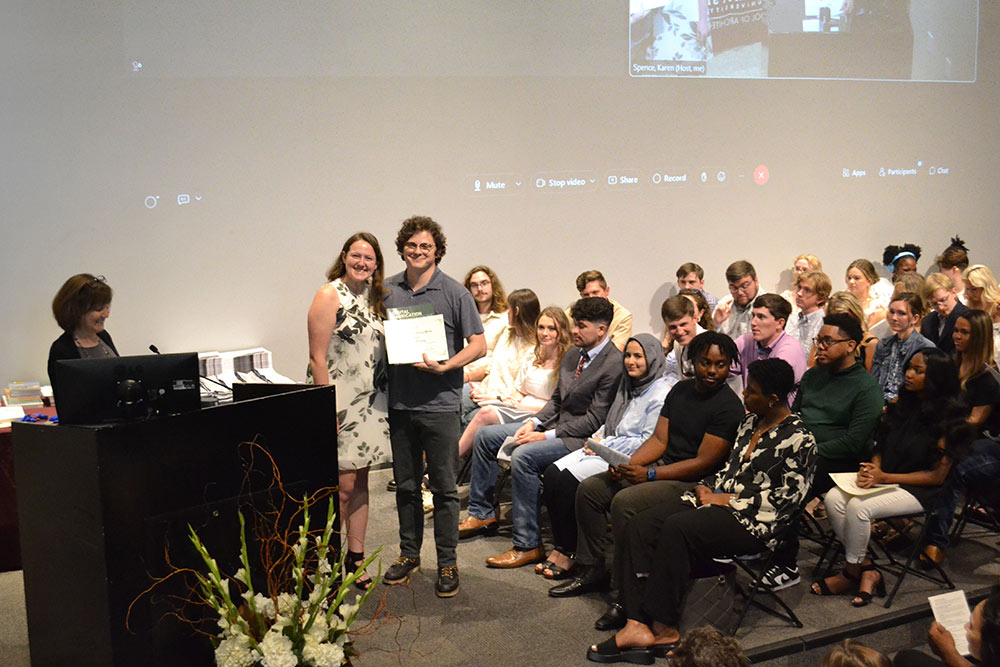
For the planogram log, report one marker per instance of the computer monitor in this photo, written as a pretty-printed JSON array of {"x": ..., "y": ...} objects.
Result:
[{"x": 100, "y": 391}]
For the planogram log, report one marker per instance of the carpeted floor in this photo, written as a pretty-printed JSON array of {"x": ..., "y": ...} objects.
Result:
[{"x": 505, "y": 617}]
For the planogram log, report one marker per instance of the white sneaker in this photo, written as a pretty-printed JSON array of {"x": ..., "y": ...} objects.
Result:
[{"x": 778, "y": 577}]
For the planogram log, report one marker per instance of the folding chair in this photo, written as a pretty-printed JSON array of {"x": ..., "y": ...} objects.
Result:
[
  {"x": 765, "y": 559},
  {"x": 977, "y": 510},
  {"x": 900, "y": 570}
]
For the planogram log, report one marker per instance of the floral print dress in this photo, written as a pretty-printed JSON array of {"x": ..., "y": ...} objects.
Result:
[{"x": 356, "y": 361}]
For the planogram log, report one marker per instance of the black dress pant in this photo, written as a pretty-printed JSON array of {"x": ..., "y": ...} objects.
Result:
[
  {"x": 663, "y": 543},
  {"x": 559, "y": 495}
]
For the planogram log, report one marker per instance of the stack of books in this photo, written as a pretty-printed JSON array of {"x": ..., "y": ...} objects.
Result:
[{"x": 24, "y": 394}]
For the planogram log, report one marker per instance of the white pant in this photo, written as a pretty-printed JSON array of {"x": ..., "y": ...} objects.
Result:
[{"x": 851, "y": 516}]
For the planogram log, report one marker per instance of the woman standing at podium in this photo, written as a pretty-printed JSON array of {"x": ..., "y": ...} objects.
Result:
[
  {"x": 347, "y": 348},
  {"x": 80, "y": 307}
]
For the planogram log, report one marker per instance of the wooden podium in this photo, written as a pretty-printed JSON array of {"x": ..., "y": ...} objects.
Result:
[{"x": 100, "y": 508}]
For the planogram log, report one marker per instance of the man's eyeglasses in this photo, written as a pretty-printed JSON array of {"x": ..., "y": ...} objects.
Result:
[
  {"x": 826, "y": 341},
  {"x": 423, "y": 247}
]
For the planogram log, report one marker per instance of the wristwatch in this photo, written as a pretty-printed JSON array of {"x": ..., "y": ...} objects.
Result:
[{"x": 651, "y": 473}]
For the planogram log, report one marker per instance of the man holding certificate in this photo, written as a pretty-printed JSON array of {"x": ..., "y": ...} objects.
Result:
[{"x": 430, "y": 316}]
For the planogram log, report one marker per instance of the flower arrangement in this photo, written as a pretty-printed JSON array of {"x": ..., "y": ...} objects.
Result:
[{"x": 307, "y": 625}]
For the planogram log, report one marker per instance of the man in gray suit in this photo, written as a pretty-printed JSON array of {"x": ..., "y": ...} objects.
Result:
[{"x": 588, "y": 378}]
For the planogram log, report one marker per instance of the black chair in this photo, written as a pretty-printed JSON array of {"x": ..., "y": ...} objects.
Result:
[
  {"x": 763, "y": 561},
  {"x": 900, "y": 570},
  {"x": 978, "y": 510}
]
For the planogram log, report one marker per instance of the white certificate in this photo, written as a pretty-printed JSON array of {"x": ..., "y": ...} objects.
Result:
[{"x": 408, "y": 340}]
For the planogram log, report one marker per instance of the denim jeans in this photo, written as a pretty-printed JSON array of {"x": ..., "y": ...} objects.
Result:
[
  {"x": 527, "y": 464},
  {"x": 978, "y": 472}
]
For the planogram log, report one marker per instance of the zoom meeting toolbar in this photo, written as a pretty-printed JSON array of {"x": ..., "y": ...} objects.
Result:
[{"x": 709, "y": 176}]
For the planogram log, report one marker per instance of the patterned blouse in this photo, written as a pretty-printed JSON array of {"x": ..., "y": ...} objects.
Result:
[{"x": 769, "y": 486}]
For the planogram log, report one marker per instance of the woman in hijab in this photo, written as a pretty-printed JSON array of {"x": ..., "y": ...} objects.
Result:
[{"x": 630, "y": 421}]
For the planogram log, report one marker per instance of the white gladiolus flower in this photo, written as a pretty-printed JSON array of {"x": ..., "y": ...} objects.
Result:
[
  {"x": 265, "y": 605},
  {"x": 286, "y": 602},
  {"x": 242, "y": 576},
  {"x": 277, "y": 650}
]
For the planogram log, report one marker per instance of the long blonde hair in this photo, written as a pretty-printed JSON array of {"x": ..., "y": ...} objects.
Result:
[
  {"x": 845, "y": 302},
  {"x": 979, "y": 275}
]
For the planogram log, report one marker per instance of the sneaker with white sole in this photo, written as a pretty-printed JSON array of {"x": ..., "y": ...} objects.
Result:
[{"x": 779, "y": 577}]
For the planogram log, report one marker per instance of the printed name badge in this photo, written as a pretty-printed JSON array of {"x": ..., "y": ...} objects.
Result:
[{"x": 410, "y": 312}]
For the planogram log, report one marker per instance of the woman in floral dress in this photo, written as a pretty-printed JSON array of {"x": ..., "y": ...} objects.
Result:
[{"x": 347, "y": 348}]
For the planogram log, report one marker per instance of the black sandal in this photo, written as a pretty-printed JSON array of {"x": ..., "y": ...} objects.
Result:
[
  {"x": 863, "y": 598},
  {"x": 824, "y": 589},
  {"x": 608, "y": 652},
  {"x": 351, "y": 565}
]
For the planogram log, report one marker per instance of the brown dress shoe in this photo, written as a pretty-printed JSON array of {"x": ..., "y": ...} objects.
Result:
[
  {"x": 473, "y": 526},
  {"x": 515, "y": 558}
]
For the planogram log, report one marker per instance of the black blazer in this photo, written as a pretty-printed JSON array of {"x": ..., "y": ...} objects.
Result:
[
  {"x": 579, "y": 407},
  {"x": 64, "y": 347},
  {"x": 929, "y": 328}
]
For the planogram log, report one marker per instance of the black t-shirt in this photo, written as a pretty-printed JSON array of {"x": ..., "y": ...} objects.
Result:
[
  {"x": 692, "y": 415},
  {"x": 983, "y": 390},
  {"x": 910, "y": 446}
]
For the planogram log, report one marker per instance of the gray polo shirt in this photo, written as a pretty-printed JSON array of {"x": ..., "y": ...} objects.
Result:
[{"x": 412, "y": 389}]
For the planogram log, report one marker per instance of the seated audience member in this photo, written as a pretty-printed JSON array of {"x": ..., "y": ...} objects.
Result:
[
  {"x": 978, "y": 472},
  {"x": 917, "y": 440},
  {"x": 707, "y": 647},
  {"x": 907, "y": 282},
  {"x": 702, "y": 312},
  {"x": 953, "y": 262},
  {"x": 692, "y": 276},
  {"x": 860, "y": 278},
  {"x": 681, "y": 327},
  {"x": 491, "y": 301},
  {"x": 767, "y": 338},
  {"x": 840, "y": 403},
  {"x": 693, "y": 436},
  {"x": 845, "y": 302},
  {"x": 517, "y": 350},
  {"x": 80, "y": 307},
  {"x": 732, "y": 315},
  {"x": 983, "y": 292},
  {"x": 893, "y": 353},
  {"x": 812, "y": 289},
  {"x": 901, "y": 259},
  {"x": 982, "y": 633},
  {"x": 592, "y": 283},
  {"x": 588, "y": 379},
  {"x": 939, "y": 293},
  {"x": 734, "y": 511},
  {"x": 803, "y": 264},
  {"x": 631, "y": 419},
  {"x": 850, "y": 653}
]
